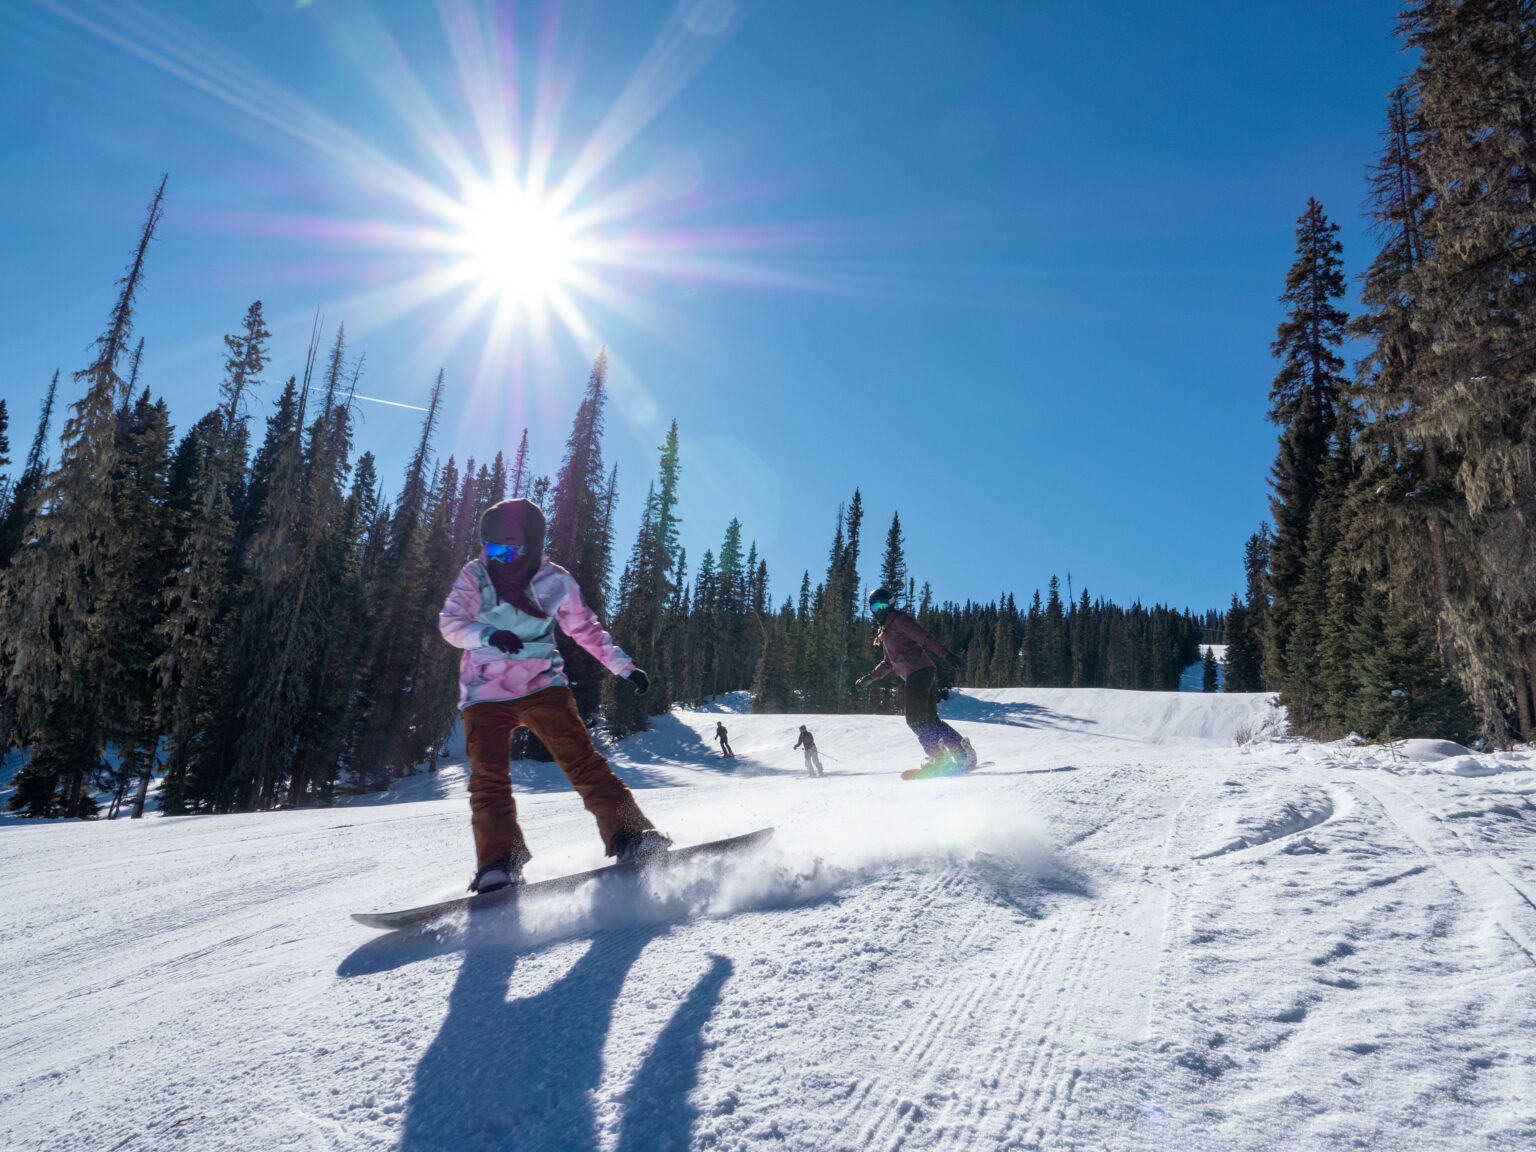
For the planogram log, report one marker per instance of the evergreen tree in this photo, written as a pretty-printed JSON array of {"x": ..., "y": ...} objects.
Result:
[
  {"x": 647, "y": 591},
  {"x": 1209, "y": 677},
  {"x": 5, "y": 459},
  {"x": 893, "y": 565},
  {"x": 204, "y": 571},
  {"x": 398, "y": 644},
  {"x": 1473, "y": 93},
  {"x": 270, "y": 671},
  {"x": 139, "y": 569},
  {"x": 1053, "y": 641},
  {"x": 1304, "y": 402},
  {"x": 580, "y": 530},
  {"x": 1003, "y": 669},
  {"x": 58, "y": 592},
  {"x": 498, "y": 480},
  {"x": 1245, "y": 651},
  {"x": 22, "y": 496},
  {"x": 770, "y": 684},
  {"x": 520, "y": 473}
]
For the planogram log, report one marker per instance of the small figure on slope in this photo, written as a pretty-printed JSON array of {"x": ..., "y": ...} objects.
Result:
[
  {"x": 812, "y": 760},
  {"x": 502, "y": 611},
  {"x": 724, "y": 738},
  {"x": 902, "y": 641}
]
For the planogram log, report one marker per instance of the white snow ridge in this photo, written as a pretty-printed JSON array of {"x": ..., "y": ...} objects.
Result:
[{"x": 1128, "y": 933}]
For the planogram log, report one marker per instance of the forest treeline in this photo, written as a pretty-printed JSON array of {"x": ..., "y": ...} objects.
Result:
[
  {"x": 253, "y": 620},
  {"x": 1394, "y": 593}
]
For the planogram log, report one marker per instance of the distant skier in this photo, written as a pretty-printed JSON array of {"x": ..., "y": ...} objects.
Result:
[
  {"x": 902, "y": 641},
  {"x": 724, "y": 738},
  {"x": 502, "y": 611},
  {"x": 812, "y": 761}
]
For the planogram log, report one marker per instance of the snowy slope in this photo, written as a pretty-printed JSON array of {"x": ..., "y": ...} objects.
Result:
[{"x": 1128, "y": 933}]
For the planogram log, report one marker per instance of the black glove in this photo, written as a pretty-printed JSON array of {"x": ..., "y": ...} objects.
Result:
[
  {"x": 862, "y": 683},
  {"x": 956, "y": 660},
  {"x": 640, "y": 680},
  {"x": 509, "y": 642}
]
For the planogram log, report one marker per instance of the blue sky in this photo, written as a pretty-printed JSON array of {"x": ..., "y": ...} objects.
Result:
[{"x": 1009, "y": 268}]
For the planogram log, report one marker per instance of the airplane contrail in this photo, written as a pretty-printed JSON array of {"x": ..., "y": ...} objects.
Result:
[{"x": 391, "y": 403}]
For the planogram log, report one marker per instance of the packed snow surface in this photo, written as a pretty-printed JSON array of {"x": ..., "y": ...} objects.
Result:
[{"x": 1129, "y": 932}]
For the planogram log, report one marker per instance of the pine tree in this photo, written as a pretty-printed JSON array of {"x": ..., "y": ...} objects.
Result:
[
  {"x": 5, "y": 459},
  {"x": 398, "y": 644},
  {"x": 1473, "y": 92},
  {"x": 770, "y": 684},
  {"x": 520, "y": 473},
  {"x": 21, "y": 503},
  {"x": 498, "y": 484},
  {"x": 1053, "y": 640},
  {"x": 435, "y": 693},
  {"x": 270, "y": 670},
  {"x": 580, "y": 528},
  {"x": 205, "y": 566},
  {"x": 139, "y": 572},
  {"x": 893, "y": 565},
  {"x": 57, "y": 592},
  {"x": 647, "y": 591},
  {"x": 1209, "y": 676},
  {"x": 1245, "y": 651},
  {"x": 1304, "y": 402},
  {"x": 1003, "y": 669}
]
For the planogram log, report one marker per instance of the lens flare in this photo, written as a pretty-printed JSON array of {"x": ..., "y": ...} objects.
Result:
[
  {"x": 516, "y": 246},
  {"x": 473, "y": 202}
]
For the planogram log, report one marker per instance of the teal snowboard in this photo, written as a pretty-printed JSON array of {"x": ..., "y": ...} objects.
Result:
[{"x": 428, "y": 913}]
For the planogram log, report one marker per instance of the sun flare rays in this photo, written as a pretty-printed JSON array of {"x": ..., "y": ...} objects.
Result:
[{"x": 470, "y": 199}]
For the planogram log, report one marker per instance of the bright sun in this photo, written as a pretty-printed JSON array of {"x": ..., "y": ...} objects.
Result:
[{"x": 516, "y": 247}]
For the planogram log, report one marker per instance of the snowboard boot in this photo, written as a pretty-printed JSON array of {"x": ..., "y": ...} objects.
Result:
[
  {"x": 636, "y": 849},
  {"x": 949, "y": 762},
  {"x": 968, "y": 755},
  {"x": 493, "y": 877}
]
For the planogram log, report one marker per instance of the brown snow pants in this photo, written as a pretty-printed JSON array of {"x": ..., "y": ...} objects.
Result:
[{"x": 551, "y": 715}]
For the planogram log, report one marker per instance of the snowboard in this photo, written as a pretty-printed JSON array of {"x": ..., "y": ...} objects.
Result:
[
  {"x": 947, "y": 770},
  {"x": 428, "y": 913}
]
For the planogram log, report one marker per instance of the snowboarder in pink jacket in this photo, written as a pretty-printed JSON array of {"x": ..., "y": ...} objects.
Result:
[
  {"x": 502, "y": 611},
  {"x": 905, "y": 645}
]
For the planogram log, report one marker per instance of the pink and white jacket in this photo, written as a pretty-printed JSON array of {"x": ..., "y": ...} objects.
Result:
[{"x": 473, "y": 611}]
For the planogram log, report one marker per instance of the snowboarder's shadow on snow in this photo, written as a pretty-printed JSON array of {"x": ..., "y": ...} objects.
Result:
[{"x": 524, "y": 1072}]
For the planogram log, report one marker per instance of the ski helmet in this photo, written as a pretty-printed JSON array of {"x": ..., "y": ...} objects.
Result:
[
  {"x": 522, "y": 519},
  {"x": 880, "y": 602}
]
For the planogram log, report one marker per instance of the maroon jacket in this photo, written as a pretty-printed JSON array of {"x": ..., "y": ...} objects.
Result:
[{"x": 903, "y": 640}]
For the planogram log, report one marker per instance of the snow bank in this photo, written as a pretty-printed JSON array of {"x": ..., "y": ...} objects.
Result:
[
  {"x": 1283, "y": 812},
  {"x": 1446, "y": 758},
  {"x": 1470, "y": 765},
  {"x": 1148, "y": 717},
  {"x": 1429, "y": 751}
]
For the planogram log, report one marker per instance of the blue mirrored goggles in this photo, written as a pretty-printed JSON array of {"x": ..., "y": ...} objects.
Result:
[
  {"x": 506, "y": 553},
  {"x": 878, "y": 606}
]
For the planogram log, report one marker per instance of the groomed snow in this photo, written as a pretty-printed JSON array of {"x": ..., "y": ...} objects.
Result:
[{"x": 1128, "y": 933}]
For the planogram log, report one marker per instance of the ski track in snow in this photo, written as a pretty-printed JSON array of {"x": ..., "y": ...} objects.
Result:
[{"x": 1127, "y": 934}]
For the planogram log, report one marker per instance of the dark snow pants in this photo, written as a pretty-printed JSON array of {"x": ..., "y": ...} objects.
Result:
[
  {"x": 551, "y": 715},
  {"x": 923, "y": 714}
]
